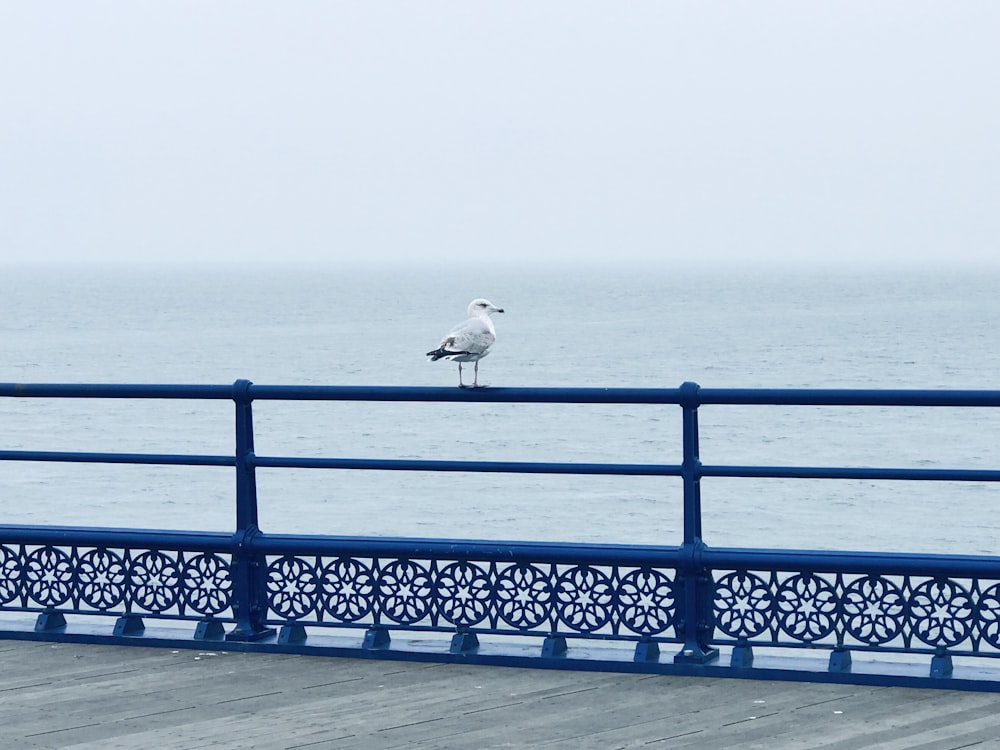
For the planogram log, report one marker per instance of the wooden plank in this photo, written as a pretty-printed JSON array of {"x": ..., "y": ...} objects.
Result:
[{"x": 90, "y": 697}]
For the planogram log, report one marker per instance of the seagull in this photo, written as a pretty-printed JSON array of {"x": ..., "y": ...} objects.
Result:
[{"x": 470, "y": 340}]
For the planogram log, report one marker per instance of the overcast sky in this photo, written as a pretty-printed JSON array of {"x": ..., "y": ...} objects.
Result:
[{"x": 321, "y": 131}]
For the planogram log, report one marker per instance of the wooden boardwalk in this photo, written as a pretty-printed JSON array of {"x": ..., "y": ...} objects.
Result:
[{"x": 95, "y": 697}]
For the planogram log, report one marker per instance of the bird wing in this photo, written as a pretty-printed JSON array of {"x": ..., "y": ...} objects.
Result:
[{"x": 473, "y": 336}]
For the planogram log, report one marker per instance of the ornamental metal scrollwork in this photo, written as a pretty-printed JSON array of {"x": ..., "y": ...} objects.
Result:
[
  {"x": 208, "y": 584},
  {"x": 48, "y": 572},
  {"x": 941, "y": 612},
  {"x": 463, "y": 593},
  {"x": 988, "y": 615},
  {"x": 348, "y": 589},
  {"x": 743, "y": 604},
  {"x": 10, "y": 576},
  {"x": 646, "y": 599},
  {"x": 523, "y": 593},
  {"x": 584, "y": 597},
  {"x": 291, "y": 587},
  {"x": 404, "y": 592},
  {"x": 102, "y": 578},
  {"x": 874, "y": 610},
  {"x": 805, "y": 607},
  {"x": 154, "y": 580}
]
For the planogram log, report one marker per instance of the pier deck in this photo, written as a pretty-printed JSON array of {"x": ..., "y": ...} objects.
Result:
[{"x": 96, "y": 697}]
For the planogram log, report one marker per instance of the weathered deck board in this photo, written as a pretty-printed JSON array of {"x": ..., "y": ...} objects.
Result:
[{"x": 94, "y": 697}]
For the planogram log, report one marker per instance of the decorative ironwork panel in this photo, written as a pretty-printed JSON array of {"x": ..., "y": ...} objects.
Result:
[
  {"x": 867, "y": 611},
  {"x": 988, "y": 615},
  {"x": 48, "y": 573},
  {"x": 584, "y": 597},
  {"x": 10, "y": 575},
  {"x": 465, "y": 593},
  {"x": 99, "y": 580},
  {"x": 522, "y": 595},
  {"x": 291, "y": 587},
  {"x": 348, "y": 588},
  {"x": 501, "y": 597},
  {"x": 207, "y": 584},
  {"x": 646, "y": 601},
  {"x": 873, "y": 610},
  {"x": 941, "y": 613},
  {"x": 102, "y": 577},
  {"x": 743, "y": 603}
]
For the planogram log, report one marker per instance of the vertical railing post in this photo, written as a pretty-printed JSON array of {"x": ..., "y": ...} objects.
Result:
[
  {"x": 246, "y": 477},
  {"x": 691, "y": 464},
  {"x": 249, "y": 569},
  {"x": 696, "y": 594}
]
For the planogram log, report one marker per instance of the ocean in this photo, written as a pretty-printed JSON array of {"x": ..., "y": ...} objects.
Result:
[{"x": 608, "y": 327}]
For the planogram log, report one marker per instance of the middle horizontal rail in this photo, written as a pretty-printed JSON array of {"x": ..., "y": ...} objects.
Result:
[
  {"x": 163, "y": 459},
  {"x": 847, "y": 472},
  {"x": 512, "y": 467}
]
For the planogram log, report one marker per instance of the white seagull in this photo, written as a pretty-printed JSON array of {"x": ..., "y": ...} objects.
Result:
[{"x": 470, "y": 340}]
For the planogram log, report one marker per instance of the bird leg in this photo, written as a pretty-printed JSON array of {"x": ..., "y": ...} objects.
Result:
[
  {"x": 475, "y": 377},
  {"x": 460, "y": 383}
]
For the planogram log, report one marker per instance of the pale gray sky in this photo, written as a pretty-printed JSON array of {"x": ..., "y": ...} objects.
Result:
[{"x": 314, "y": 130}]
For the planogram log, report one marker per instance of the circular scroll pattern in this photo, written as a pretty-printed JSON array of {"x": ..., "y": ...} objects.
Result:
[
  {"x": 941, "y": 612},
  {"x": 404, "y": 592},
  {"x": 523, "y": 593},
  {"x": 805, "y": 607},
  {"x": 646, "y": 601},
  {"x": 584, "y": 597},
  {"x": 10, "y": 575},
  {"x": 208, "y": 584},
  {"x": 154, "y": 579},
  {"x": 463, "y": 593},
  {"x": 874, "y": 610},
  {"x": 48, "y": 572},
  {"x": 743, "y": 604},
  {"x": 348, "y": 588},
  {"x": 988, "y": 615},
  {"x": 291, "y": 587},
  {"x": 101, "y": 576}
]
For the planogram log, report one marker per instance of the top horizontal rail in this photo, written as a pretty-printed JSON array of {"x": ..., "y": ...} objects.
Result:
[
  {"x": 689, "y": 394},
  {"x": 846, "y": 397},
  {"x": 484, "y": 394},
  {"x": 112, "y": 390}
]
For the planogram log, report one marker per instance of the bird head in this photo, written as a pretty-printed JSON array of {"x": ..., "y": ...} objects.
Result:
[{"x": 479, "y": 307}]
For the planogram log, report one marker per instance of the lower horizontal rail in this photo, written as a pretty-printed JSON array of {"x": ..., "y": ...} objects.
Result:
[
  {"x": 701, "y": 557},
  {"x": 117, "y": 538}
]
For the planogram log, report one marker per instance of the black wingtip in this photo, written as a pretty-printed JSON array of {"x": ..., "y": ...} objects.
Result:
[{"x": 439, "y": 353}]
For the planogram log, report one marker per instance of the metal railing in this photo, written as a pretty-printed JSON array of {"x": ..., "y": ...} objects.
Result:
[{"x": 252, "y": 590}]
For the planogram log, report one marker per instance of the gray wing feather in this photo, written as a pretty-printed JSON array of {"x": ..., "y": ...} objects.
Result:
[{"x": 474, "y": 335}]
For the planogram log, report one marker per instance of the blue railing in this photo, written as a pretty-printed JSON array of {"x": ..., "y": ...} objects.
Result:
[{"x": 517, "y": 603}]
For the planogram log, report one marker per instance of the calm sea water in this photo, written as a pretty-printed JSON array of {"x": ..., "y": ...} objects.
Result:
[{"x": 619, "y": 327}]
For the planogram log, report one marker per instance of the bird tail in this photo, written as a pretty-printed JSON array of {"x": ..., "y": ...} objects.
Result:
[{"x": 442, "y": 352}]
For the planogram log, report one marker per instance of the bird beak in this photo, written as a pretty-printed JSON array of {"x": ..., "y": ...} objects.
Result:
[{"x": 500, "y": 309}]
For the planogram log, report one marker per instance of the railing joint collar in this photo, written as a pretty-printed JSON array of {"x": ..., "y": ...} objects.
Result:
[
  {"x": 689, "y": 395},
  {"x": 241, "y": 391}
]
